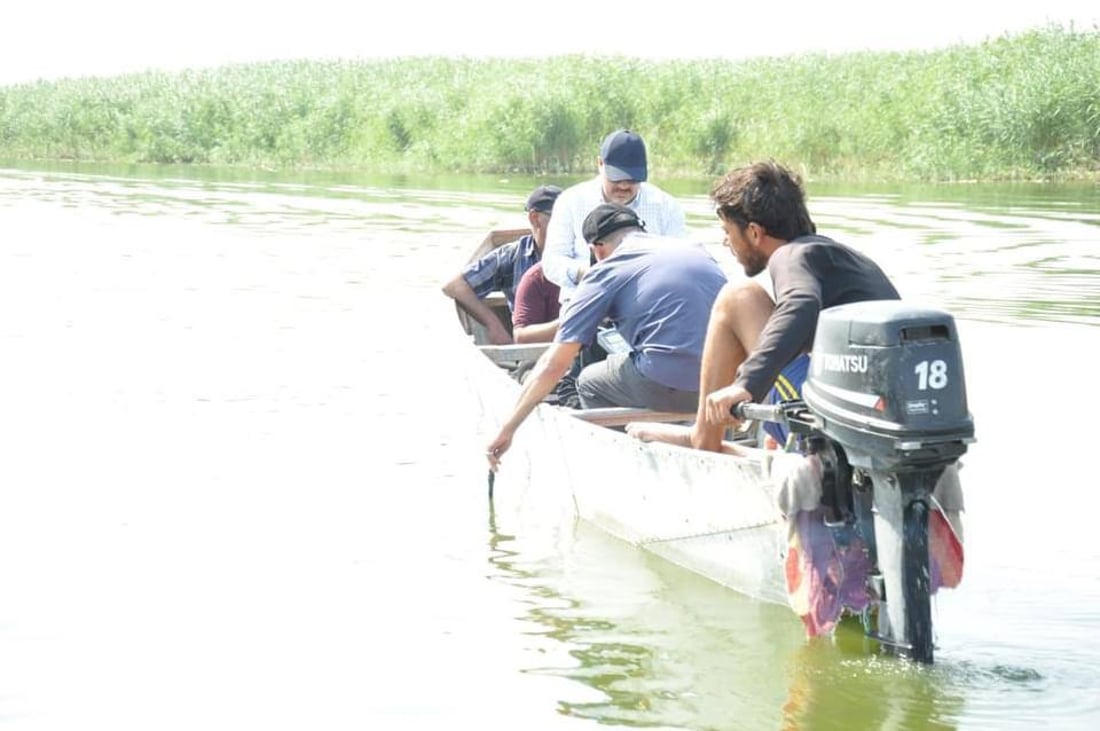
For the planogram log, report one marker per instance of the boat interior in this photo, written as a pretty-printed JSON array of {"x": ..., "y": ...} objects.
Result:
[{"x": 517, "y": 358}]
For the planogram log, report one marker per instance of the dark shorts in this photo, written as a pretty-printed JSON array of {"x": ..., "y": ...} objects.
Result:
[{"x": 788, "y": 387}]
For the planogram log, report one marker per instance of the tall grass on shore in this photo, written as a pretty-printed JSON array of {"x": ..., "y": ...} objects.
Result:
[{"x": 1021, "y": 106}]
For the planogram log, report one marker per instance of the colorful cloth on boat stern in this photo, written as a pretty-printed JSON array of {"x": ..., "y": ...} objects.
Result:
[
  {"x": 945, "y": 531},
  {"x": 945, "y": 552},
  {"x": 827, "y": 566},
  {"x": 827, "y": 569}
]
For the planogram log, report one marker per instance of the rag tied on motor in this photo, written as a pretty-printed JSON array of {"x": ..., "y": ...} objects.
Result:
[{"x": 827, "y": 564}]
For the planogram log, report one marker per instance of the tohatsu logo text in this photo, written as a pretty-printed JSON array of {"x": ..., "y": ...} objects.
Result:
[{"x": 839, "y": 363}]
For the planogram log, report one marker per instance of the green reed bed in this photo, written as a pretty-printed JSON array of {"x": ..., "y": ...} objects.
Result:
[{"x": 1022, "y": 106}]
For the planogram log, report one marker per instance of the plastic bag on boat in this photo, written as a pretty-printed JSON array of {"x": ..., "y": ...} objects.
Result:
[{"x": 799, "y": 478}]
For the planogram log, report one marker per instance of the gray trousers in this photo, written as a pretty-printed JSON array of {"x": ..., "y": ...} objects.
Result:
[{"x": 616, "y": 381}]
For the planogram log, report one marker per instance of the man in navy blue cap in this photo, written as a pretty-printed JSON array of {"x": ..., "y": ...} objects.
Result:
[
  {"x": 623, "y": 155},
  {"x": 622, "y": 173},
  {"x": 503, "y": 267}
]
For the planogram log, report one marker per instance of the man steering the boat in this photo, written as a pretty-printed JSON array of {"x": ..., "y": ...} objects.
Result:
[
  {"x": 658, "y": 292},
  {"x": 757, "y": 349}
]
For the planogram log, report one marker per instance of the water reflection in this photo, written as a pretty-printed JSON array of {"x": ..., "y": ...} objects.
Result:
[
  {"x": 671, "y": 651},
  {"x": 662, "y": 648},
  {"x": 838, "y": 685},
  {"x": 609, "y": 665}
]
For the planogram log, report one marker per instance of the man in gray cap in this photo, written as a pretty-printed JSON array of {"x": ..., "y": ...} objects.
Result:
[
  {"x": 658, "y": 292},
  {"x": 622, "y": 173},
  {"x": 503, "y": 267}
]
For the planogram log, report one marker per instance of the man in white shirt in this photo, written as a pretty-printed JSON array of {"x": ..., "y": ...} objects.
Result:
[{"x": 621, "y": 178}]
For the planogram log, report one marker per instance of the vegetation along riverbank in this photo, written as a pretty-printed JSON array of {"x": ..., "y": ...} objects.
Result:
[{"x": 1025, "y": 106}]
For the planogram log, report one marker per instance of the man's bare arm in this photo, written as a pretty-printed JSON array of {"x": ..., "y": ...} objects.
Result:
[{"x": 461, "y": 292}]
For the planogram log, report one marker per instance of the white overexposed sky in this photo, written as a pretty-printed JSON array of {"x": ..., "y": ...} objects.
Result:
[{"x": 57, "y": 38}]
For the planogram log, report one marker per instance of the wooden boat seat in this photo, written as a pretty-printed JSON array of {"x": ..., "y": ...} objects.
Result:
[
  {"x": 496, "y": 300},
  {"x": 621, "y": 416},
  {"x": 506, "y": 355}
]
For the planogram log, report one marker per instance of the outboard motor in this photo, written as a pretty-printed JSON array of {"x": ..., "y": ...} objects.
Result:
[{"x": 886, "y": 385}]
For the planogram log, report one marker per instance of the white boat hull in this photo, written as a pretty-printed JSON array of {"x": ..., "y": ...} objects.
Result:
[{"x": 713, "y": 514}]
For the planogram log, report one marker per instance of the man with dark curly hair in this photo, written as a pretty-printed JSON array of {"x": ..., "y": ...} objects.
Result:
[
  {"x": 757, "y": 349},
  {"x": 762, "y": 210}
]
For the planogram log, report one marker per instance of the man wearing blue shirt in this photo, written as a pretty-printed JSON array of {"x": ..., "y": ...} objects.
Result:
[{"x": 658, "y": 292}]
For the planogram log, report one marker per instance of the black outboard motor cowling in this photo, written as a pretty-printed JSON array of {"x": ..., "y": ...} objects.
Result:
[{"x": 886, "y": 381}]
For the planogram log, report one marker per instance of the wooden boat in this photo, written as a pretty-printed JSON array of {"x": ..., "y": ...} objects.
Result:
[{"x": 713, "y": 514}]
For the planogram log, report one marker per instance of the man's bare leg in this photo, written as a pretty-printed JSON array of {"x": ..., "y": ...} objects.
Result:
[
  {"x": 680, "y": 435},
  {"x": 649, "y": 431},
  {"x": 736, "y": 321}
]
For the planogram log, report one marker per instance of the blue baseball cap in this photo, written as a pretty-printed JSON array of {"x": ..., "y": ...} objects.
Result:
[{"x": 623, "y": 155}]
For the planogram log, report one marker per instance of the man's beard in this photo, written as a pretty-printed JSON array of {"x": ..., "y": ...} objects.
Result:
[{"x": 754, "y": 264}]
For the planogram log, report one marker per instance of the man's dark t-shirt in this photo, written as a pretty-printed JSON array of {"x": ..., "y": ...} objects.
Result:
[{"x": 809, "y": 274}]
